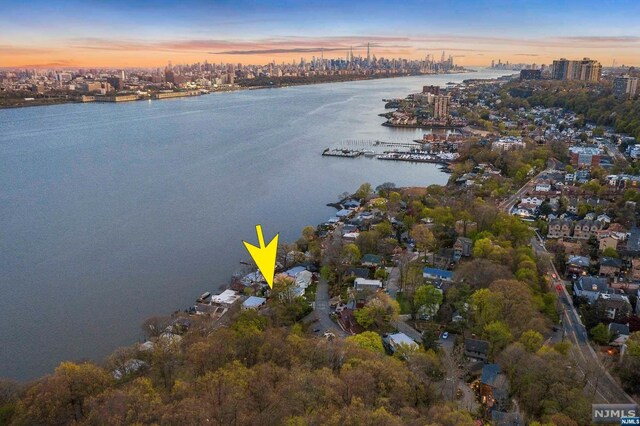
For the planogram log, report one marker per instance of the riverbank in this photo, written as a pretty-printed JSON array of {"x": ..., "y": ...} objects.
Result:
[{"x": 24, "y": 102}]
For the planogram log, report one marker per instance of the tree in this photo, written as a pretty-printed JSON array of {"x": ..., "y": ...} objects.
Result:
[
  {"x": 610, "y": 252},
  {"x": 155, "y": 326},
  {"x": 309, "y": 233},
  {"x": 61, "y": 398},
  {"x": 363, "y": 191},
  {"x": 427, "y": 299},
  {"x": 499, "y": 335},
  {"x": 431, "y": 337},
  {"x": 378, "y": 312},
  {"x": 423, "y": 237},
  {"x": 384, "y": 189},
  {"x": 350, "y": 253},
  {"x": 600, "y": 334},
  {"x": 531, "y": 340},
  {"x": 368, "y": 340},
  {"x": 487, "y": 306}
]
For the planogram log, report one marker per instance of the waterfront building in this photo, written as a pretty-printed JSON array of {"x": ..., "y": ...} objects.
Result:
[
  {"x": 441, "y": 106},
  {"x": 434, "y": 90}
]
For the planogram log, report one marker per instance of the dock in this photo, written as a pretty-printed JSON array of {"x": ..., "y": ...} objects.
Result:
[
  {"x": 340, "y": 152},
  {"x": 416, "y": 157}
]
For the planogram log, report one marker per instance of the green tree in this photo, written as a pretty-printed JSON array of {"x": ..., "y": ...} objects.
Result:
[
  {"x": 531, "y": 340},
  {"x": 427, "y": 299},
  {"x": 368, "y": 340},
  {"x": 498, "y": 335},
  {"x": 600, "y": 334},
  {"x": 363, "y": 191},
  {"x": 423, "y": 237},
  {"x": 610, "y": 252},
  {"x": 350, "y": 253},
  {"x": 378, "y": 312}
]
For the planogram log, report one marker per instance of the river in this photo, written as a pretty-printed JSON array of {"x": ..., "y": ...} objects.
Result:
[{"x": 111, "y": 213}]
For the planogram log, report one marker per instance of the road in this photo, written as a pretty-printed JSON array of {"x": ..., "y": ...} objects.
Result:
[
  {"x": 602, "y": 385},
  {"x": 508, "y": 204}
]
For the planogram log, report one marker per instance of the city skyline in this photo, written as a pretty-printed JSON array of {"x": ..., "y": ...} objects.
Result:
[{"x": 150, "y": 34}]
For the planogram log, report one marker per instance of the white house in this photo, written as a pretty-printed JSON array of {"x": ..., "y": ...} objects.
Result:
[
  {"x": 364, "y": 284},
  {"x": 543, "y": 187},
  {"x": 254, "y": 302}
]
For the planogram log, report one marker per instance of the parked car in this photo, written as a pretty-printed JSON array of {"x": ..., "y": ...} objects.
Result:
[{"x": 445, "y": 335}]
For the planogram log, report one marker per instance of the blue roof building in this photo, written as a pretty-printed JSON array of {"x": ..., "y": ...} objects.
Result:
[{"x": 434, "y": 274}]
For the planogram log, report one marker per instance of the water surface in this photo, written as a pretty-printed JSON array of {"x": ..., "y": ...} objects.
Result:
[{"x": 111, "y": 213}]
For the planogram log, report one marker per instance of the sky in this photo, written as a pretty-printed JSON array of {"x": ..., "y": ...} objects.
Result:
[{"x": 150, "y": 33}]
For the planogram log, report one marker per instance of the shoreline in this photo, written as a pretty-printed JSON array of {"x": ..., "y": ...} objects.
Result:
[{"x": 241, "y": 88}]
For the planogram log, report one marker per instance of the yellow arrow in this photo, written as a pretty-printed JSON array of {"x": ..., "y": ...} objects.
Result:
[{"x": 265, "y": 257}]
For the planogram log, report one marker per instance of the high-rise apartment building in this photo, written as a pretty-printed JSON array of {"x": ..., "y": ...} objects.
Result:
[
  {"x": 625, "y": 86},
  {"x": 584, "y": 70},
  {"x": 441, "y": 106}
]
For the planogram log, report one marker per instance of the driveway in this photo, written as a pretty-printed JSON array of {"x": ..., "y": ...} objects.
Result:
[{"x": 323, "y": 309}]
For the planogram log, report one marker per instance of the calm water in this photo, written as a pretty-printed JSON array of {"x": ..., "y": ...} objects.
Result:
[{"x": 111, "y": 213}]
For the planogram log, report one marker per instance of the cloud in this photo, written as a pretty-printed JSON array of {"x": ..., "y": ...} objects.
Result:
[
  {"x": 279, "y": 51},
  {"x": 9, "y": 49},
  {"x": 56, "y": 64}
]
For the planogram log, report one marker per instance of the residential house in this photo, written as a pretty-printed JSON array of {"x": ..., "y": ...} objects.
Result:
[
  {"x": 604, "y": 219},
  {"x": 392, "y": 341},
  {"x": 560, "y": 228},
  {"x": 225, "y": 299},
  {"x": 535, "y": 201},
  {"x": 607, "y": 241},
  {"x": 462, "y": 247},
  {"x": 578, "y": 265},
  {"x": 364, "y": 284},
  {"x": 635, "y": 269},
  {"x": 543, "y": 187},
  {"x": 437, "y": 274},
  {"x": 585, "y": 229},
  {"x": 591, "y": 287},
  {"x": 358, "y": 272},
  {"x": 253, "y": 302},
  {"x": 610, "y": 267},
  {"x": 617, "y": 230},
  {"x": 633, "y": 241},
  {"x": 476, "y": 349},
  {"x": 494, "y": 388},
  {"x": 619, "y": 333},
  {"x": 616, "y": 306},
  {"x": 371, "y": 260}
]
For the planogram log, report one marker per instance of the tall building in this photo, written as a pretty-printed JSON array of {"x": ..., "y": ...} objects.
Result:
[
  {"x": 625, "y": 86},
  {"x": 441, "y": 106},
  {"x": 584, "y": 70}
]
